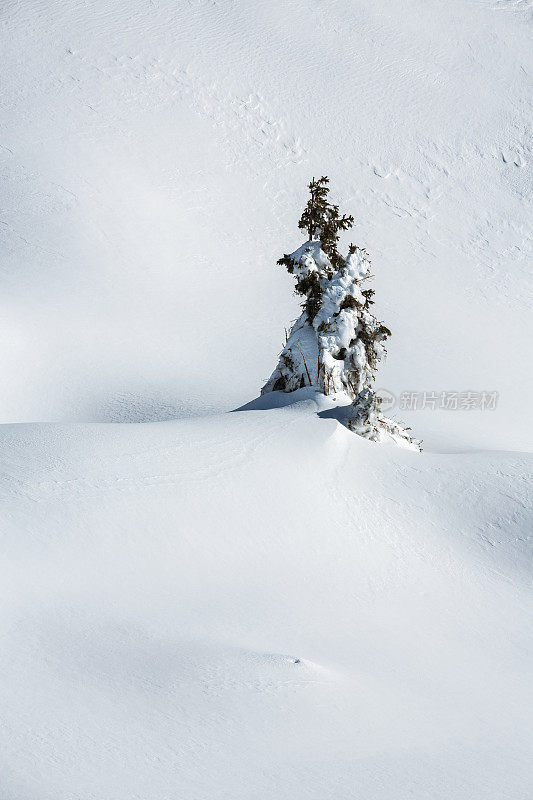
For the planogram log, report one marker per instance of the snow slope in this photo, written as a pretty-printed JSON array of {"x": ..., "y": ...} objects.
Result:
[
  {"x": 155, "y": 156},
  {"x": 260, "y": 604}
]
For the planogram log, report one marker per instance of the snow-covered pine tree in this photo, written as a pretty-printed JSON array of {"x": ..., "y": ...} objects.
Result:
[
  {"x": 336, "y": 343},
  {"x": 367, "y": 419}
]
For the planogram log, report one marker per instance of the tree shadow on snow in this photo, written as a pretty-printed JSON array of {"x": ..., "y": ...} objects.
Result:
[{"x": 307, "y": 397}]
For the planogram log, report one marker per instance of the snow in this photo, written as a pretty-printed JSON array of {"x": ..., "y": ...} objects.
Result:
[
  {"x": 261, "y": 604},
  {"x": 162, "y": 579}
]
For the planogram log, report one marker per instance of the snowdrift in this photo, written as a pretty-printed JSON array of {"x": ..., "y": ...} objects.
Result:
[{"x": 261, "y": 603}]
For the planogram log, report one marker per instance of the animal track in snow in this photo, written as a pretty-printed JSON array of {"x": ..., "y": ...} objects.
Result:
[{"x": 513, "y": 5}]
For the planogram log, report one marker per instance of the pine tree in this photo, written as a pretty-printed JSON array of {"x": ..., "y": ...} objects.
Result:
[
  {"x": 322, "y": 221},
  {"x": 366, "y": 419},
  {"x": 336, "y": 343}
]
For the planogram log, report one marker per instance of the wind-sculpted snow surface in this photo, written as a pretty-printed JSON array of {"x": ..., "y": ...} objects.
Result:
[
  {"x": 261, "y": 604},
  {"x": 154, "y": 157}
]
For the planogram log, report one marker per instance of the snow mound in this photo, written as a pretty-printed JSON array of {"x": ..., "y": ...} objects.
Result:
[{"x": 261, "y": 601}]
